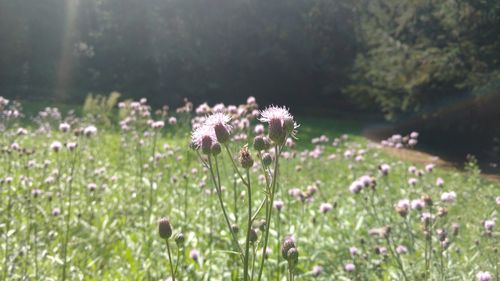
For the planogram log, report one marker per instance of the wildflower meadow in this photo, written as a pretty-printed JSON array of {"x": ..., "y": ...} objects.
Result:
[{"x": 124, "y": 191}]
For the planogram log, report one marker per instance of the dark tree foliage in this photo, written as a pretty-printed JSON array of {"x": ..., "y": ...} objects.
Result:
[
  {"x": 417, "y": 58},
  {"x": 432, "y": 66},
  {"x": 295, "y": 52}
]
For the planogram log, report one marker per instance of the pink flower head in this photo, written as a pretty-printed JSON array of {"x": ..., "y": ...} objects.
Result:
[
  {"x": 484, "y": 276},
  {"x": 201, "y": 134},
  {"x": 278, "y": 205},
  {"x": 449, "y": 197},
  {"x": 194, "y": 254},
  {"x": 275, "y": 115},
  {"x": 64, "y": 127},
  {"x": 489, "y": 224},
  {"x": 353, "y": 251},
  {"x": 219, "y": 122},
  {"x": 317, "y": 270},
  {"x": 429, "y": 167},
  {"x": 412, "y": 181},
  {"x": 439, "y": 182},
  {"x": 325, "y": 207},
  {"x": 401, "y": 249},
  {"x": 417, "y": 204},
  {"x": 349, "y": 267}
]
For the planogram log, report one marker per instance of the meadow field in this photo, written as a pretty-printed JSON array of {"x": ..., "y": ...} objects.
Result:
[{"x": 230, "y": 192}]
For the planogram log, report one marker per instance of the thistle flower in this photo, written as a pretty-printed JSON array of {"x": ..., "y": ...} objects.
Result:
[
  {"x": 157, "y": 124},
  {"x": 219, "y": 122},
  {"x": 172, "y": 121},
  {"x": 194, "y": 254},
  {"x": 412, "y": 181},
  {"x": 353, "y": 251},
  {"x": 325, "y": 207},
  {"x": 56, "y": 146},
  {"x": 278, "y": 205},
  {"x": 449, "y": 197},
  {"x": 280, "y": 122},
  {"x": 484, "y": 276},
  {"x": 203, "y": 137},
  {"x": 384, "y": 169},
  {"x": 349, "y": 267},
  {"x": 489, "y": 224},
  {"x": 429, "y": 167},
  {"x": 259, "y": 129},
  {"x": 90, "y": 131},
  {"x": 317, "y": 270},
  {"x": 439, "y": 182},
  {"x": 400, "y": 249},
  {"x": 64, "y": 127},
  {"x": 56, "y": 212}
]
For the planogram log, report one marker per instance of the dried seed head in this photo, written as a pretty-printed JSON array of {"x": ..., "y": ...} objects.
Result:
[
  {"x": 427, "y": 199},
  {"x": 164, "y": 228},
  {"x": 246, "y": 159}
]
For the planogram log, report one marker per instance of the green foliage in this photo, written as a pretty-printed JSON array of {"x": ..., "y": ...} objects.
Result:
[
  {"x": 100, "y": 108},
  {"x": 420, "y": 54}
]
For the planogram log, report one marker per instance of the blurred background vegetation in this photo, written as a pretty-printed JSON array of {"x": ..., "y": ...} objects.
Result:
[{"x": 424, "y": 64}]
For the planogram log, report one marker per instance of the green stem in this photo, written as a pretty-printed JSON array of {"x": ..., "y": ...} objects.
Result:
[
  {"x": 219, "y": 196},
  {"x": 68, "y": 216},
  {"x": 269, "y": 209},
  {"x": 170, "y": 261},
  {"x": 249, "y": 228}
]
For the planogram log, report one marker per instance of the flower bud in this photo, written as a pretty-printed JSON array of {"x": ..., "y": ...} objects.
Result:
[
  {"x": 286, "y": 246},
  {"x": 259, "y": 143},
  {"x": 267, "y": 159},
  {"x": 293, "y": 256},
  {"x": 252, "y": 237},
  {"x": 179, "y": 239},
  {"x": 165, "y": 229},
  {"x": 221, "y": 133},
  {"x": 216, "y": 149}
]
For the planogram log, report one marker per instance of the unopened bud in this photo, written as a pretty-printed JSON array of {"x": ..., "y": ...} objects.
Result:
[{"x": 165, "y": 229}]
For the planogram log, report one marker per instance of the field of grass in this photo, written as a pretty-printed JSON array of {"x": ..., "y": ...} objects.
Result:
[{"x": 85, "y": 204}]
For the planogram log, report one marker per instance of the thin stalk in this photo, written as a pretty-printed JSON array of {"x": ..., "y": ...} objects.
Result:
[
  {"x": 68, "y": 216},
  {"x": 170, "y": 260},
  {"x": 219, "y": 196},
  {"x": 249, "y": 228},
  {"x": 277, "y": 153},
  {"x": 234, "y": 165}
]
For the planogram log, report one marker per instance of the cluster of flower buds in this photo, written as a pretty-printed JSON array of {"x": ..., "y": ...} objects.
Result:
[{"x": 289, "y": 252}]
